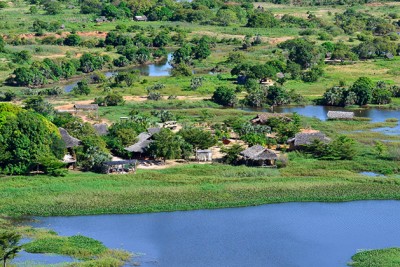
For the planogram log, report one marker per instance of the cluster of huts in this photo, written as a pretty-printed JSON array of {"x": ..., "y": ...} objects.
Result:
[{"x": 256, "y": 155}]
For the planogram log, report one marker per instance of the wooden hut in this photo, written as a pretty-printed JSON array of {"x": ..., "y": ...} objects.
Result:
[
  {"x": 203, "y": 155},
  {"x": 340, "y": 115},
  {"x": 139, "y": 148},
  {"x": 120, "y": 166},
  {"x": 70, "y": 142},
  {"x": 259, "y": 156},
  {"x": 306, "y": 138}
]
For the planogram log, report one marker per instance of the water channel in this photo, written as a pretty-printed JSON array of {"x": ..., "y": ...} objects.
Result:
[{"x": 157, "y": 69}]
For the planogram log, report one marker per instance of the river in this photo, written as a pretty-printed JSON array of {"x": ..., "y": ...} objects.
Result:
[
  {"x": 157, "y": 69},
  {"x": 275, "y": 235}
]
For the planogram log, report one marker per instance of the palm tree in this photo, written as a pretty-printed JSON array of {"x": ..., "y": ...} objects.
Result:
[{"x": 9, "y": 246}]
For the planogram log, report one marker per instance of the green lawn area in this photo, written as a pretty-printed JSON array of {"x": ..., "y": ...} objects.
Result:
[{"x": 189, "y": 187}]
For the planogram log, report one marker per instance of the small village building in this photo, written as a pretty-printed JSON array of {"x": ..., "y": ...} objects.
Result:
[
  {"x": 70, "y": 143},
  {"x": 263, "y": 118},
  {"x": 340, "y": 115},
  {"x": 120, "y": 166},
  {"x": 204, "y": 155},
  {"x": 87, "y": 108},
  {"x": 306, "y": 138},
  {"x": 139, "y": 149},
  {"x": 259, "y": 156},
  {"x": 140, "y": 18},
  {"x": 101, "y": 128}
]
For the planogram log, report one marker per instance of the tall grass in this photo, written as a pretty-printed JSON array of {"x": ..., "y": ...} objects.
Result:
[{"x": 190, "y": 187}]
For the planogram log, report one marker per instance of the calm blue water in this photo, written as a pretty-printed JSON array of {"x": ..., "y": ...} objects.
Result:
[
  {"x": 320, "y": 112},
  {"x": 281, "y": 235}
]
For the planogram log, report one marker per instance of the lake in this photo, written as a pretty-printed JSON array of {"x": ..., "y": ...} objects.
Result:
[
  {"x": 275, "y": 235},
  {"x": 157, "y": 69}
]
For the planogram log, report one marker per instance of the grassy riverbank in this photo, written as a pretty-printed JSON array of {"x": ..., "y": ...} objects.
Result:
[
  {"x": 88, "y": 251},
  {"x": 190, "y": 187},
  {"x": 379, "y": 257}
]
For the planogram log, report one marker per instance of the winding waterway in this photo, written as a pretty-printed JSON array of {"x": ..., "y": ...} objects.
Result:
[
  {"x": 158, "y": 69},
  {"x": 275, "y": 235}
]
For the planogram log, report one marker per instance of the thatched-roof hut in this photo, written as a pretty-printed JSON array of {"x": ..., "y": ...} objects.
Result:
[
  {"x": 340, "y": 115},
  {"x": 259, "y": 156},
  {"x": 141, "y": 145},
  {"x": 120, "y": 166},
  {"x": 101, "y": 128},
  {"x": 263, "y": 118},
  {"x": 302, "y": 139},
  {"x": 68, "y": 140}
]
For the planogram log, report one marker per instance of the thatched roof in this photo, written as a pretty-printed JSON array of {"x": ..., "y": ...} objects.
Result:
[
  {"x": 262, "y": 118},
  {"x": 87, "y": 107},
  {"x": 141, "y": 145},
  {"x": 302, "y": 139},
  {"x": 258, "y": 152},
  {"x": 68, "y": 140},
  {"x": 340, "y": 115},
  {"x": 101, "y": 128},
  {"x": 154, "y": 130}
]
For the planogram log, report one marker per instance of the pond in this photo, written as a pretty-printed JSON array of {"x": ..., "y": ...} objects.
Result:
[
  {"x": 281, "y": 235},
  {"x": 157, "y": 69},
  {"x": 320, "y": 112}
]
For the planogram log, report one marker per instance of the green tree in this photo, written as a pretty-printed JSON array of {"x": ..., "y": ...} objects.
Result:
[
  {"x": 198, "y": 138},
  {"x": 168, "y": 145},
  {"x": 181, "y": 69},
  {"x": 26, "y": 139},
  {"x": 224, "y": 96},
  {"x": 202, "y": 50},
  {"x": 53, "y": 7},
  {"x": 161, "y": 40},
  {"x": 9, "y": 247},
  {"x": 82, "y": 88},
  {"x": 262, "y": 20},
  {"x": 38, "y": 104},
  {"x": 114, "y": 99},
  {"x": 231, "y": 154},
  {"x": 72, "y": 40},
  {"x": 183, "y": 54},
  {"x": 362, "y": 88},
  {"x": 226, "y": 17}
]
